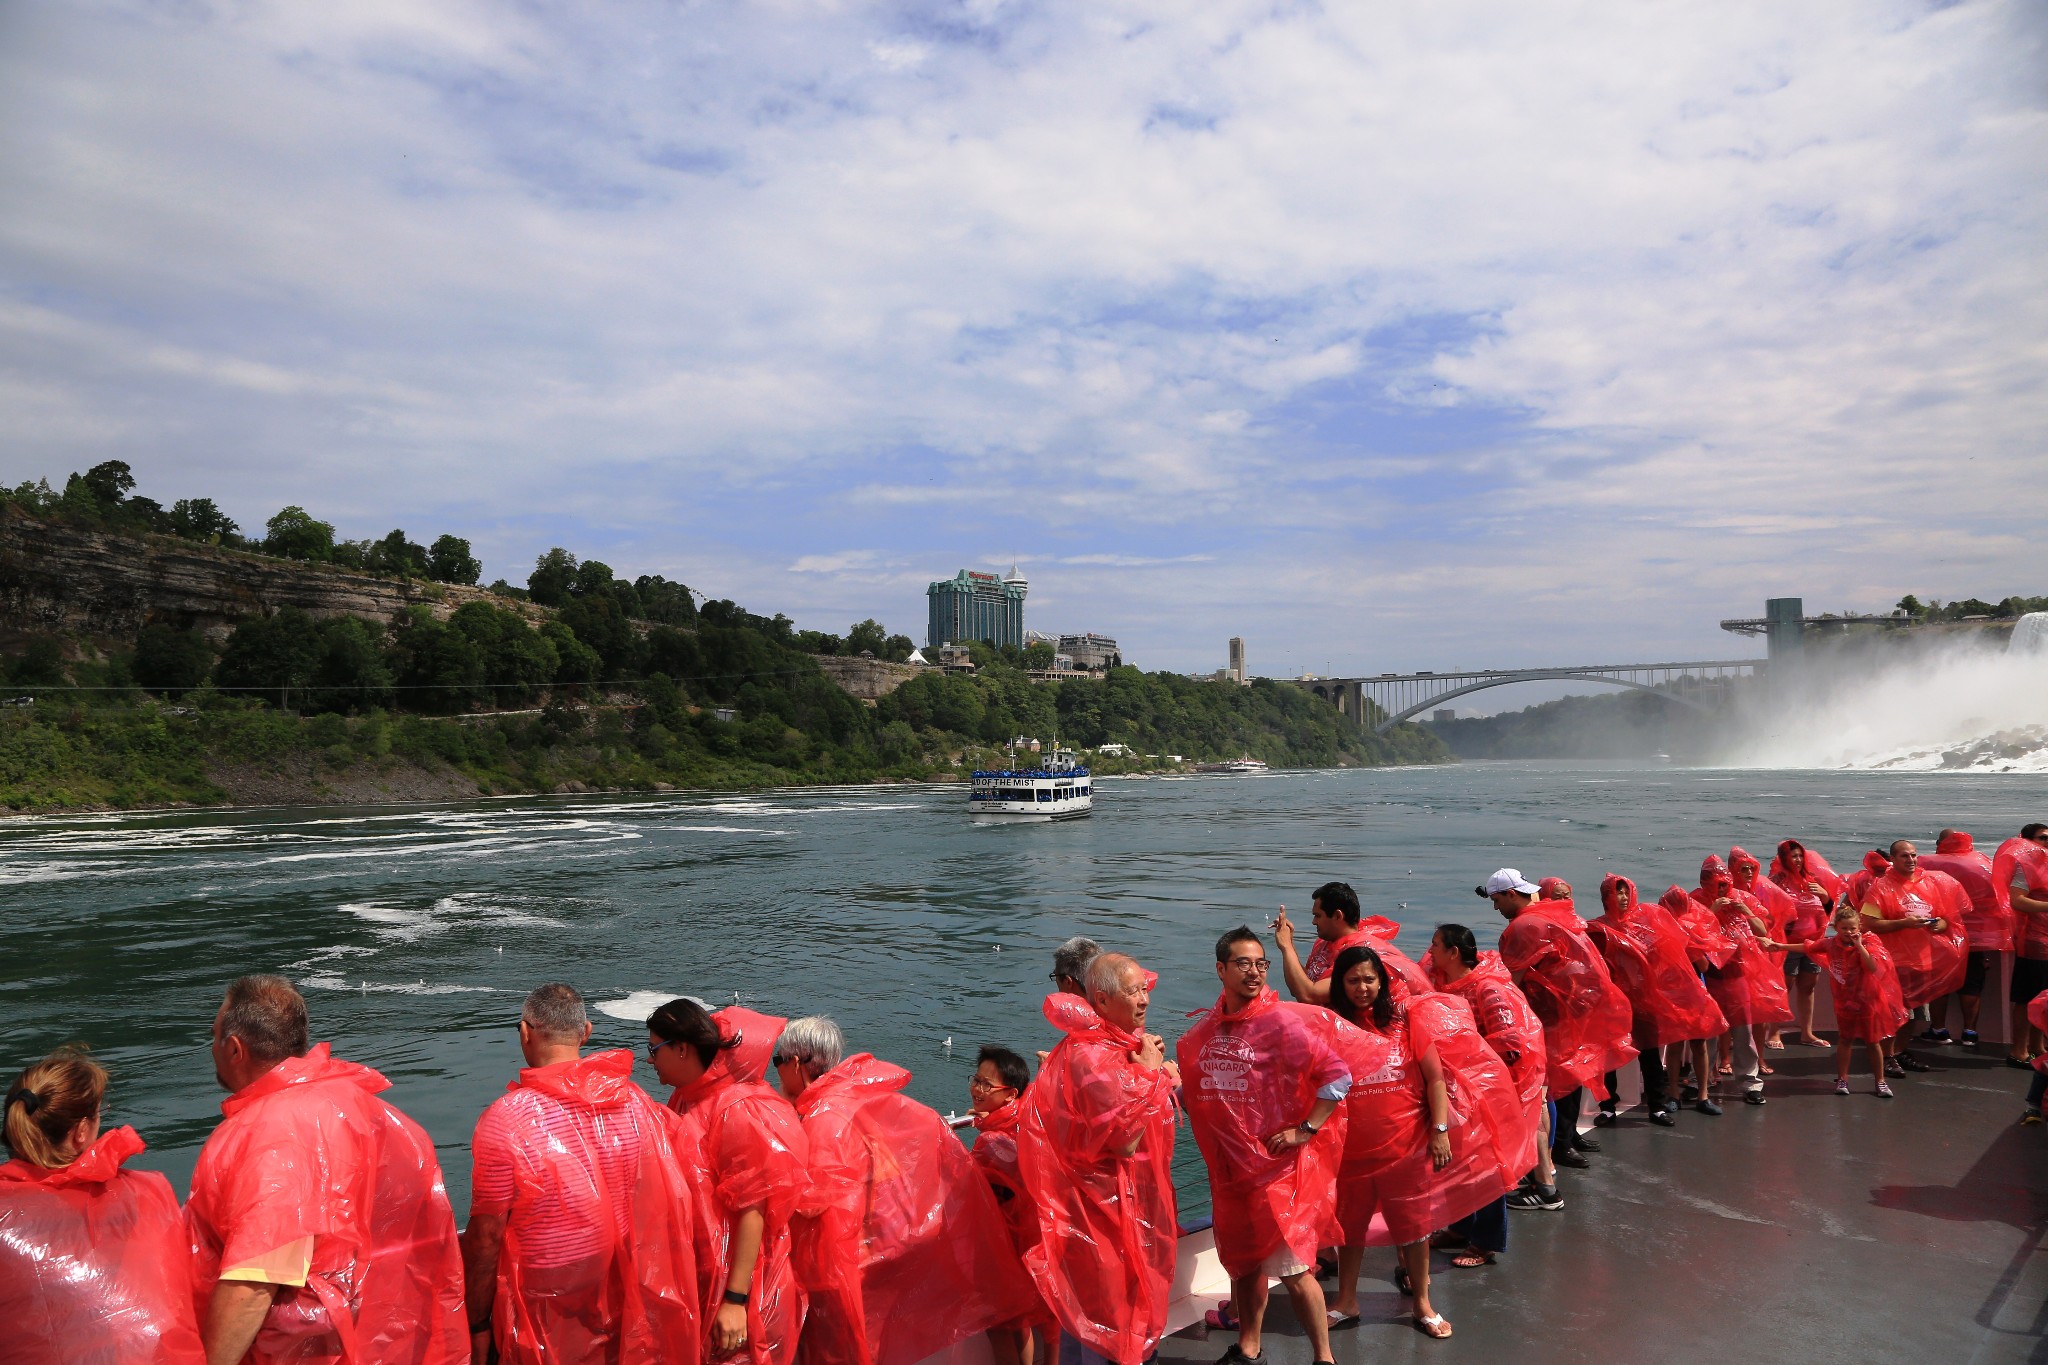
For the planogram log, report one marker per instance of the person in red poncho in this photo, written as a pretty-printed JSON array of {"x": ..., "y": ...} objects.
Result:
[
  {"x": 2019, "y": 875},
  {"x": 995, "y": 1096},
  {"x": 1812, "y": 886},
  {"x": 1749, "y": 985},
  {"x": 1095, "y": 1147},
  {"x": 1585, "y": 1016},
  {"x": 1457, "y": 967},
  {"x": 319, "y": 1224},
  {"x": 579, "y": 1249},
  {"x": 1865, "y": 988},
  {"x": 1987, "y": 925},
  {"x": 1335, "y": 913},
  {"x": 1264, "y": 1084},
  {"x": 1919, "y": 914},
  {"x": 899, "y": 1243},
  {"x": 1648, "y": 956},
  {"x": 94, "y": 1266},
  {"x": 1778, "y": 909},
  {"x": 746, "y": 1157}
]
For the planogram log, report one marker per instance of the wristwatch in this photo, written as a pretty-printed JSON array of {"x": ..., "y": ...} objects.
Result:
[
  {"x": 1442, "y": 1127},
  {"x": 1307, "y": 1127}
]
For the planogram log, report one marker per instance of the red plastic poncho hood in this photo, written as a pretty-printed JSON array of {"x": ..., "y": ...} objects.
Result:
[
  {"x": 603, "y": 1080},
  {"x": 1955, "y": 841},
  {"x": 1554, "y": 889},
  {"x": 1246, "y": 1076},
  {"x": 1670, "y": 1004},
  {"x": 94, "y": 1263},
  {"x": 1815, "y": 868},
  {"x": 752, "y": 1035}
]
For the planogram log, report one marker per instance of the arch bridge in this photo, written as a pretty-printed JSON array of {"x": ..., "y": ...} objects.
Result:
[{"x": 1396, "y": 697}]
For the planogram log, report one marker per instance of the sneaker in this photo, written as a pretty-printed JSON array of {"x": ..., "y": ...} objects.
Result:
[
  {"x": 2031, "y": 1118},
  {"x": 1536, "y": 1197},
  {"x": 1884, "y": 1090},
  {"x": 1969, "y": 1038},
  {"x": 1570, "y": 1161},
  {"x": 1841, "y": 1087},
  {"x": 1753, "y": 1097},
  {"x": 1235, "y": 1356},
  {"x": 1912, "y": 1063},
  {"x": 1936, "y": 1035},
  {"x": 1893, "y": 1068},
  {"x": 1708, "y": 1107},
  {"x": 1662, "y": 1117}
]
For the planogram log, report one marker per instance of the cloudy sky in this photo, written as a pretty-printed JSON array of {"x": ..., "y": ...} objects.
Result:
[{"x": 1385, "y": 336}]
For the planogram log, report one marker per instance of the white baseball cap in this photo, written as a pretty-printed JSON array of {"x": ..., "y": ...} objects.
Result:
[{"x": 1507, "y": 879}]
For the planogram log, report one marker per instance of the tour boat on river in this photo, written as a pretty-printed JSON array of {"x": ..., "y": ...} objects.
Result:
[
  {"x": 1247, "y": 764},
  {"x": 1059, "y": 790}
]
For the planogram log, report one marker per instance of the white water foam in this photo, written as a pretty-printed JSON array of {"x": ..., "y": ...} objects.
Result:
[
  {"x": 464, "y": 909},
  {"x": 635, "y": 1007},
  {"x": 331, "y": 981}
]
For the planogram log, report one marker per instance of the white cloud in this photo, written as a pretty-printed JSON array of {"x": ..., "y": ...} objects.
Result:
[{"x": 1606, "y": 322}]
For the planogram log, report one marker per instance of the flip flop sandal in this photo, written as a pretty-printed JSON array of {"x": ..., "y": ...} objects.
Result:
[
  {"x": 1765, "y": 1068},
  {"x": 1433, "y": 1326},
  {"x": 1472, "y": 1260},
  {"x": 1337, "y": 1319},
  {"x": 1778, "y": 1046}
]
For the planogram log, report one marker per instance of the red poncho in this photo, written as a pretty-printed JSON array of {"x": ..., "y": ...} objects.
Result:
[
  {"x": 94, "y": 1265},
  {"x": 1507, "y": 1023},
  {"x": 1930, "y": 962},
  {"x": 995, "y": 1156},
  {"x": 1868, "y": 1006},
  {"x": 1988, "y": 923},
  {"x": 1856, "y": 890},
  {"x": 1749, "y": 986},
  {"x": 2037, "y": 1015},
  {"x": 1245, "y": 1077},
  {"x": 746, "y": 1149},
  {"x": 1107, "y": 1228},
  {"x": 2021, "y": 860},
  {"x": 753, "y": 1036},
  {"x": 1585, "y": 1016},
  {"x": 895, "y": 1223},
  {"x": 1655, "y": 970},
  {"x": 309, "y": 1150},
  {"x": 1707, "y": 943},
  {"x": 1377, "y": 933},
  {"x": 1778, "y": 906},
  {"x": 599, "y": 1263},
  {"x": 1810, "y": 911}
]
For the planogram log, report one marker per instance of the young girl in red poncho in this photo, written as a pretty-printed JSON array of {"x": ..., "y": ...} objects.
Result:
[{"x": 1865, "y": 987}]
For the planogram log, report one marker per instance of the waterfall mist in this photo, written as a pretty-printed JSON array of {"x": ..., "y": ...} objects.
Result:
[{"x": 1954, "y": 704}]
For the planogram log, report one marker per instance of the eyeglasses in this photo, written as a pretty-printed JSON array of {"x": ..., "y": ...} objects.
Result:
[
  {"x": 982, "y": 1087},
  {"x": 1250, "y": 964},
  {"x": 654, "y": 1049}
]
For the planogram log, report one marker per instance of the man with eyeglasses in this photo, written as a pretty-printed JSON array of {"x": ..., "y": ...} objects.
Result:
[{"x": 1264, "y": 1086}]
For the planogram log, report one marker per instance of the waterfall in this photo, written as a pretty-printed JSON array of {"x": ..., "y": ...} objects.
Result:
[{"x": 2030, "y": 636}]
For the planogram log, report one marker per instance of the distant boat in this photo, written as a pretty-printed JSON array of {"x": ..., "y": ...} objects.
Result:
[
  {"x": 1060, "y": 790},
  {"x": 1235, "y": 765},
  {"x": 1661, "y": 758}
]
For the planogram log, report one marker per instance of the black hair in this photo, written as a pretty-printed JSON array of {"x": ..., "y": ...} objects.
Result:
[
  {"x": 684, "y": 1021},
  {"x": 1340, "y": 999},
  {"x": 1011, "y": 1067},
  {"x": 2033, "y": 831},
  {"x": 1340, "y": 897},
  {"x": 1241, "y": 934},
  {"x": 1459, "y": 940}
]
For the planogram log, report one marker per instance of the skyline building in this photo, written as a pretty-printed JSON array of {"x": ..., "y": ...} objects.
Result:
[
  {"x": 1091, "y": 651},
  {"x": 977, "y": 606},
  {"x": 1236, "y": 669}
]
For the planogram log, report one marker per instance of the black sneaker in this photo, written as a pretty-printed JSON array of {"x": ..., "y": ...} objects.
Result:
[
  {"x": 1969, "y": 1038},
  {"x": 1663, "y": 1117},
  {"x": 1936, "y": 1035},
  {"x": 1536, "y": 1197},
  {"x": 1236, "y": 1356},
  {"x": 1912, "y": 1063},
  {"x": 1753, "y": 1097}
]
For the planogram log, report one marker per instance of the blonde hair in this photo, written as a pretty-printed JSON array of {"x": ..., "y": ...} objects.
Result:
[{"x": 48, "y": 1100}]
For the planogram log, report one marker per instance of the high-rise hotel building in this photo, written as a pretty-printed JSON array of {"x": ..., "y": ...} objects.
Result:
[{"x": 977, "y": 606}]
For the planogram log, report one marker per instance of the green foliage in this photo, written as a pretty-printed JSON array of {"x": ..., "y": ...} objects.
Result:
[
  {"x": 294, "y": 534},
  {"x": 40, "y": 664},
  {"x": 449, "y": 561},
  {"x": 397, "y": 556},
  {"x": 170, "y": 662},
  {"x": 663, "y": 602},
  {"x": 198, "y": 519},
  {"x": 553, "y": 574}
]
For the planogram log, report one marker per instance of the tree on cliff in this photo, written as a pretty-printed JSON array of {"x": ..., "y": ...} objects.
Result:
[
  {"x": 294, "y": 534},
  {"x": 198, "y": 519},
  {"x": 553, "y": 575},
  {"x": 449, "y": 561}
]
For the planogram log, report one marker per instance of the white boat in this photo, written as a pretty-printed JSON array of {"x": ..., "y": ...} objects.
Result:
[
  {"x": 1059, "y": 790},
  {"x": 1235, "y": 765}
]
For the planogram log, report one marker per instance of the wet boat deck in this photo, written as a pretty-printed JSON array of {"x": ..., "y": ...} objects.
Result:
[{"x": 1816, "y": 1228}]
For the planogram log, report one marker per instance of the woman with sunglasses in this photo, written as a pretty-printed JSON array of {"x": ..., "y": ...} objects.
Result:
[
  {"x": 94, "y": 1262},
  {"x": 748, "y": 1147}
]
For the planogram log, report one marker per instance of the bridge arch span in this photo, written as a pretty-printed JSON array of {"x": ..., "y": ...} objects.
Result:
[{"x": 1535, "y": 676}]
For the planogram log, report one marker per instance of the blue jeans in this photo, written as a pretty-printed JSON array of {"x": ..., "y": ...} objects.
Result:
[
  {"x": 2036, "y": 1090},
  {"x": 1487, "y": 1230},
  {"x": 1073, "y": 1352}
]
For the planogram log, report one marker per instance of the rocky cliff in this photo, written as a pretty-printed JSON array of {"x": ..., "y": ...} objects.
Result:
[
  {"x": 868, "y": 679},
  {"x": 57, "y": 578}
]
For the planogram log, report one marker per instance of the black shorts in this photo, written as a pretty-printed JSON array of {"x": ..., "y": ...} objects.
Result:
[
  {"x": 1977, "y": 967},
  {"x": 2029, "y": 979}
]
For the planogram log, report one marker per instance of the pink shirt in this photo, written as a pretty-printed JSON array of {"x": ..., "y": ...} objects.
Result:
[{"x": 528, "y": 1131}]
